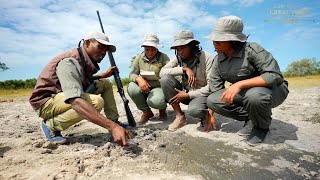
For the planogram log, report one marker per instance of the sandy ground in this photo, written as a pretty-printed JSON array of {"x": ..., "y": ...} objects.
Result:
[{"x": 291, "y": 149}]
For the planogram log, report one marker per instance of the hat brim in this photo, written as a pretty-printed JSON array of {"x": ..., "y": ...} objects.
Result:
[
  {"x": 152, "y": 44},
  {"x": 112, "y": 47},
  {"x": 182, "y": 42},
  {"x": 218, "y": 36}
]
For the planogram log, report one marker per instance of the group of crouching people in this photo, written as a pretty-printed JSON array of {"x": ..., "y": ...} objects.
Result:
[{"x": 192, "y": 77}]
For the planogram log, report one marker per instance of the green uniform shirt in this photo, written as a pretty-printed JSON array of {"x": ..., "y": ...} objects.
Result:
[
  {"x": 141, "y": 62},
  {"x": 70, "y": 76},
  {"x": 251, "y": 61}
]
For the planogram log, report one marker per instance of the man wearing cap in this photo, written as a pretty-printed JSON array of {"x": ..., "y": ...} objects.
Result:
[
  {"x": 60, "y": 96},
  {"x": 194, "y": 65},
  {"x": 257, "y": 84},
  {"x": 145, "y": 91}
]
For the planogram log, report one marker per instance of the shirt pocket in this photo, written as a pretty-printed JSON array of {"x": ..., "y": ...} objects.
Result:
[
  {"x": 246, "y": 70},
  {"x": 224, "y": 75}
]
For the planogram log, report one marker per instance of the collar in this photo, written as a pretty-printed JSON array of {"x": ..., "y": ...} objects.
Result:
[{"x": 239, "y": 54}]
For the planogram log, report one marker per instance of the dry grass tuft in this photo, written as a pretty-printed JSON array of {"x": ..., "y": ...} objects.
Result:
[
  {"x": 12, "y": 93},
  {"x": 302, "y": 82}
]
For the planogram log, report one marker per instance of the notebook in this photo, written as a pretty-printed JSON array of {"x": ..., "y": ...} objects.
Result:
[{"x": 149, "y": 75}]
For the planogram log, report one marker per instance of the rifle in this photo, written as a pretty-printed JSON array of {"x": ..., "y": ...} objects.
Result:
[{"x": 117, "y": 78}]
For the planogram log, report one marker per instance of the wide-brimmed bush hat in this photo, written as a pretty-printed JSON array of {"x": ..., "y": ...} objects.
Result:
[
  {"x": 228, "y": 28},
  {"x": 151, "y": 40},
  {"x": 183, "y": 37}
]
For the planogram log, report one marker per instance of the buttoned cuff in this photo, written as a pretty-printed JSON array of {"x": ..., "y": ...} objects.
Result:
[
  {"x": 133, "y": 77},
  {"x": 192, "y": 94}
]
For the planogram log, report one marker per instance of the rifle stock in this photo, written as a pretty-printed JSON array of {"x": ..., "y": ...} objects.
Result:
[{"x": 117, "y": 78}]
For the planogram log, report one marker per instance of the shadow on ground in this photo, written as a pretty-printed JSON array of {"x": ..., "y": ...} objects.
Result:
[{"x": 279, "y": 131}]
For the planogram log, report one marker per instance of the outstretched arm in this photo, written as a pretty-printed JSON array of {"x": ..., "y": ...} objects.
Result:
[
  {"x": 87, "y": 111},
  {"x": 69, "y": 77}
]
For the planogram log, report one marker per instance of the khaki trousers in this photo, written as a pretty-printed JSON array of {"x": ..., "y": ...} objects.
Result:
[
  {"x": 60, "y": 115},
  {"x": 154, "y": 99}
]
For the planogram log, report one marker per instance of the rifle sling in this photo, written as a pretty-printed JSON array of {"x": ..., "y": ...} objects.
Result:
[{"x": 91, "y": 78}]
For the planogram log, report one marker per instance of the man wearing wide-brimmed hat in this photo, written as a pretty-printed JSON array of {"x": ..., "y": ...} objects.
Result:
[
  {"x": 257, "y": 84},
  {"x": 194, "y": 65},
  {"x": 145, "y": 90},
  {"x": 67, "y": 90}
]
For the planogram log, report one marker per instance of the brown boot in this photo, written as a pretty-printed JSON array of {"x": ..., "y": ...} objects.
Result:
[
  {"x": 145, "y": 117},
  {"x": 178, "y": 123},
  {"x": 163, "y": 115}
]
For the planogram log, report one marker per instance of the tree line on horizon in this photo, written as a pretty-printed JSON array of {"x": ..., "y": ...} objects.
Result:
[{"x": 303, "y": 67}]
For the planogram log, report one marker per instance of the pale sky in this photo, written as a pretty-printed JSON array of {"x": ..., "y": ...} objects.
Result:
[{"x": 35, "y": 31}]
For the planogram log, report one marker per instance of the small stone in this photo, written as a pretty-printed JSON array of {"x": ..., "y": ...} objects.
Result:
[
  {"x": 46, "y": 151},
  {"x": 149, "y": 137},
  {"x": 30, "y": 130},
  {"x": 37, "y": 144},
  {"x": 162, "y": 145},
  {"x": 108, "y": 145},
  {"x": 313, "y": 173},
  {"x": 50, "y": 145}
]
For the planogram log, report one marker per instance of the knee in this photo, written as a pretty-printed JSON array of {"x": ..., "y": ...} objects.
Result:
[
  {"x": 165, "y": 78},
  {"x": 213, "y": 100},
  {"x": 257, "y": 99},
  {"x": 133, "y": 89},
  {"x": 97, "y": 102},
  {"x": 196, "y": 112},
  {"x": 107, "y": 84},
  {"x": 157, "y": 102}
]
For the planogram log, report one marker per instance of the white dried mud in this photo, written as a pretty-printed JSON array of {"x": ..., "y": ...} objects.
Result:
[{"x": 290, "y": 151}]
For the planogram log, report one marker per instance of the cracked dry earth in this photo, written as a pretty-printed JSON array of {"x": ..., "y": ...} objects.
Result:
[{"x": 291, "y": 149}]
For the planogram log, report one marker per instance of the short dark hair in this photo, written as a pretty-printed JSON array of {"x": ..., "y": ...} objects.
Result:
[
  {"x": 237, "y": 45},
  {"x": 195, "y": 50}
]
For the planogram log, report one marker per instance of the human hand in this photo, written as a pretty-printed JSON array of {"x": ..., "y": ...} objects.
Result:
[
  {"x": 143, "y": 84},
  {"x": 120, "y": 135},
  {"x": 191, "y": 76},
  {"x": 109, "y": 72},
  {"x": 211, "y": 121},
  {"x": 229, "y": 94},
  {"x": 180, "y": 96}
]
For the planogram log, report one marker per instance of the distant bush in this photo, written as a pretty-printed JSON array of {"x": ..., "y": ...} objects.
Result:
[
  {"x": 18, "y": 84},
  {"x": 30, "y": 83},
  {"x": 304, "y": 67},
  {"x": 3, "y": 66}
]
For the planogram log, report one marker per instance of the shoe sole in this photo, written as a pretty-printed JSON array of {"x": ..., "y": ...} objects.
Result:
[
  {"x": 242, "y": 134},
  {"x": 174, "y": 129},
  {"x": 253, "y": 144},
  {"x": 142, "y": 123}
]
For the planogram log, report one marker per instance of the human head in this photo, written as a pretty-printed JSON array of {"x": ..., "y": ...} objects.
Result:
[
  {"x": 185, "y": 44},
  {"x": 96, "y": 45},
  {"x": 151, "y": 44}
]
